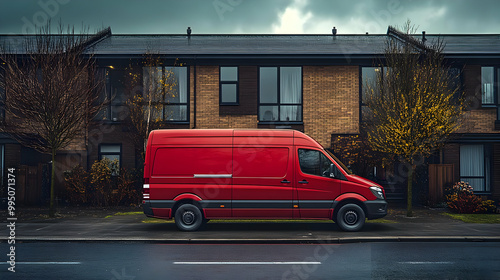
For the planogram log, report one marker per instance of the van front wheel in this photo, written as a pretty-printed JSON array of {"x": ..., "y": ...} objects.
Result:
[
  {"x": 350, "y": 217},
  {"x": 188, "y": 217}
]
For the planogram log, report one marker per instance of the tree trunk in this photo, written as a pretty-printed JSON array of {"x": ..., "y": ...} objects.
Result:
[
  {"x": 409, "y": 207},
  {"x": 52, "y": 210}
]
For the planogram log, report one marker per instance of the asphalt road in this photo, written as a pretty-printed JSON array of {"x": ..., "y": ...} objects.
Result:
[{"x": 402, "y": 260}]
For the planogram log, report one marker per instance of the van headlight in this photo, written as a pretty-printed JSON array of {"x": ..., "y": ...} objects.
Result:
[{"x": 377, "y": 192}]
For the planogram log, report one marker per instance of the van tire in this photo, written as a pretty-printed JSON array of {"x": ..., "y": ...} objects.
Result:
[
  {"x": 188, "y": 217},
  {"x": 350, "y": 217}
]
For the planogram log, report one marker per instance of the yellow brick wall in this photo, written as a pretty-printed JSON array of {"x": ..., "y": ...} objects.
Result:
[
  {"x": 207, "y": 102},
  {"x": 331, "y": 101}
]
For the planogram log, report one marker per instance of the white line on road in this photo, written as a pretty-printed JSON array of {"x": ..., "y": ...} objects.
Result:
[
  {"x": 243, "y": 263},
  {"x": 41, "y": 228},
  {"x": 426, "y": 262},
  {"x": 44, "y": 263}
]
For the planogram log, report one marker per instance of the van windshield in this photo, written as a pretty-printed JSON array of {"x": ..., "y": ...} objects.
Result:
[{"x": 347, "y": 170}]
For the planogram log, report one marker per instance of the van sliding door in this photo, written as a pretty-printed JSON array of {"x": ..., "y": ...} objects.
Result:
[{"x": 262, "y": 181}]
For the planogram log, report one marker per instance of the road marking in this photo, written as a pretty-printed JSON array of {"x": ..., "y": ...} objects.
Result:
[
  {"x": 243, "y": 263},
  {"x": 45, "y": 263},
  {"x": 41, "y": 228},
  {"x": 426, "y": 262}
]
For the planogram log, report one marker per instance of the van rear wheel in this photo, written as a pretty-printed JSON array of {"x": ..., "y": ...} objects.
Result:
[
  {"x": 350, "y": 217},
  {"x": 188, "y": 217}
]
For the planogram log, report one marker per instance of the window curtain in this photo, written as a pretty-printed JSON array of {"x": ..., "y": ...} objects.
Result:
[
  {"x": 179, "y": 112},
  {"x": 291, "y": 89},
  {"x": 472, "y": 167}
]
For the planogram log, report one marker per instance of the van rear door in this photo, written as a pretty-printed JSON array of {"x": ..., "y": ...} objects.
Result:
[{"x": 201, "y": 170}]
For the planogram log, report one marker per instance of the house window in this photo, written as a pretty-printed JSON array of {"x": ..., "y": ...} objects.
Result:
[
  {"x": 455, "y": 75},
  {"x": 115, "y": 108},
  {"x": 111, "y": 152},
  {"x": 280, "y": 94},
  {"x": 498, "y": 94},
  {"x": 475, "y": 166},
  {"x": 487, "y": 85},
  {"x": 228, "y": 86},
  {"x": 369, "y": 76},
  {"x": 169, "y": 88}
]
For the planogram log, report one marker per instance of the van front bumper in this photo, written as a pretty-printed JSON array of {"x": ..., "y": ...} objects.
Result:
[{"x": 375, "y": 209}]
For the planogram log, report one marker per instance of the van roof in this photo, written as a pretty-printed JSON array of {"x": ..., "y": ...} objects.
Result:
[{"x": 157, "y": 135}]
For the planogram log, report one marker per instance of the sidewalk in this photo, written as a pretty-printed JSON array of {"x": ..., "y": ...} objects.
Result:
[{"x": 102, "y": 225}]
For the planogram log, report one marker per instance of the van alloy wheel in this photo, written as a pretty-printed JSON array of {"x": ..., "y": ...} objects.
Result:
[
  {"x": 350, "y": 217},
  {"x": 188, "y": 217}
]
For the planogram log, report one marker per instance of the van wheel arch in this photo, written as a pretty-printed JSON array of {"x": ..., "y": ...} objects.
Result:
[{"x": 185, "y": 201}]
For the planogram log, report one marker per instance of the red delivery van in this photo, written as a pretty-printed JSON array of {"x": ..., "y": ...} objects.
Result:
[{"x": 193, "y": 175}]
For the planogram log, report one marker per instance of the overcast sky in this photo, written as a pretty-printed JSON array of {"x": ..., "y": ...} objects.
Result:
[{"x": 253, "y": 16}]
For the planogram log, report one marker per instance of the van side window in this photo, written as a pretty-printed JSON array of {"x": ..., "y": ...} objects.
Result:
[{"x": 314, "y": 162}]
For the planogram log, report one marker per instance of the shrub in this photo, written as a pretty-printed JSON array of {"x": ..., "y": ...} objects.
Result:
[
  {"x": 104, "y": 185},
  {"x": 101, "y": 181},
  {"x": 76, "y": 182},
  {"x": 126, "y": 192},
  {"x": 465, "y": 203},
  {"x": 461, "y": 199},
  {"x": 488, "y": 206},
  {"x": 461, "y": 187}
]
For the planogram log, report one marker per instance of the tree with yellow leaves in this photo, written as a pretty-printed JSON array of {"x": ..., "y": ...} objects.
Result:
[
  {"x": 414, "y": 106},
  {"x": 151, "y": 84}
]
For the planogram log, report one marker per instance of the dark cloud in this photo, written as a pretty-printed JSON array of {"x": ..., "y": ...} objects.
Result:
[
  {"x": 253, "y": 16},
  {"x": 153, "y": 16},
  {"x": 434, "y": 16}
]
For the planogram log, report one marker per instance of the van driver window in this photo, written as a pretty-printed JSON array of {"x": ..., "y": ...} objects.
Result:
[{"x": 314, "y": 162}]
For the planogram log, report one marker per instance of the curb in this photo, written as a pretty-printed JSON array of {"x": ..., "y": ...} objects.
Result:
[{"x": 337, "y": 240}]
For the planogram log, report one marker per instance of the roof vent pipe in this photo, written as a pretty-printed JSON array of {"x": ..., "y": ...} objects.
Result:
[
  {"x": 423, "y": 37},
  {"x": 189, "y": 31},
  {"x": 334, "y": 31}
]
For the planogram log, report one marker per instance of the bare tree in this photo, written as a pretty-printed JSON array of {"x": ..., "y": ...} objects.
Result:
[
  {"x": 51, "y": 91},
  {"x": 414, "y": 106}
]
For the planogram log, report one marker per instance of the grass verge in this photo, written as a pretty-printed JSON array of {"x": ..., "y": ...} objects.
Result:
[
  {"x": 381, "y": 221},
  {"x": 124, "y": 214},
  {"x": 157, "y": 221},
  {"x": 476, "y": 218}
]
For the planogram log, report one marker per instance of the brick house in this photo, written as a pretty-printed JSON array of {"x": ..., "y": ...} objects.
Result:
[{"x": 311, "y": 83}]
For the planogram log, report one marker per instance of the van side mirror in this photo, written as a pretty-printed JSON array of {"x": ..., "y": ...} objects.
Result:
[{"x": 332, "y": 169}]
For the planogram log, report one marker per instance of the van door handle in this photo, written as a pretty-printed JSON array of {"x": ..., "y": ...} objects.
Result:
[
  {"x": 303, "y": 182},
  {"x": 285, "y": 182}
]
